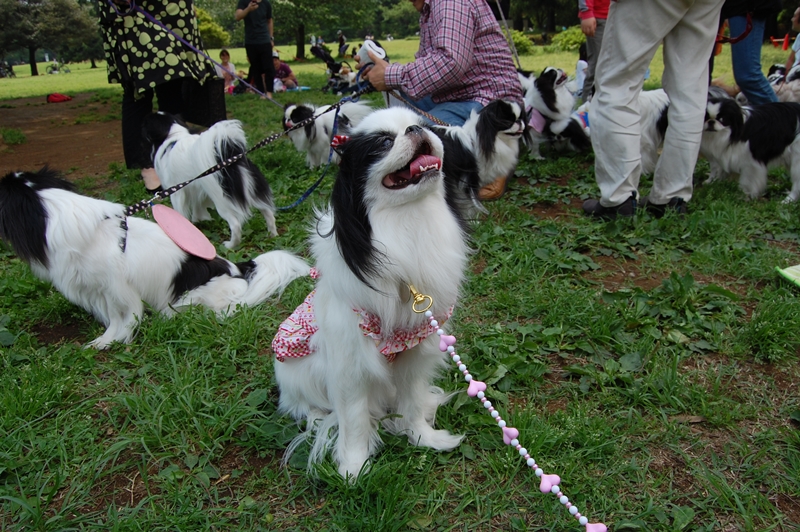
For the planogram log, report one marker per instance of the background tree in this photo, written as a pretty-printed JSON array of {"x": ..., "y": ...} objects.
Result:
[
  {"x": 213, "y": 34},
  {"x": 400, "y": 19},
  {"x": 20, "y": 29},
  {"x": 222, "y": 12},
  {"x": 65, "y": 25},
  {"x": 58, "y": 25}
]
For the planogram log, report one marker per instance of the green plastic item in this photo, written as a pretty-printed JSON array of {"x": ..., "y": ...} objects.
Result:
[{"x": 792, "y": 274}]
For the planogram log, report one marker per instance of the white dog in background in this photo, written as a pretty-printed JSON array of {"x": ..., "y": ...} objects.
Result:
[
  {"x": 315, "y": 137},
  {"x": 234, "y": 192}
]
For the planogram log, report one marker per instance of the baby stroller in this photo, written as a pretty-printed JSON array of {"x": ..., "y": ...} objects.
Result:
[{"x": 341, "y": 78}]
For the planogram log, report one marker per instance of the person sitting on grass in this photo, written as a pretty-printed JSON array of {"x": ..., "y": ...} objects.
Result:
[
  {"x": 283, "y": 72},
  {"x": 225, "y": 70}
]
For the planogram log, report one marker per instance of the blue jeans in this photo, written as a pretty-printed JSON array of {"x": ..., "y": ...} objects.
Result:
[
  {"x": 453, "y": 113},
  {"x": 746, "y": 55}
]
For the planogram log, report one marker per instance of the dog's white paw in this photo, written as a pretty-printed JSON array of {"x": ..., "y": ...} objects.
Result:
[
  {"x": 353, "y": 467},
  {"x": 441, "y": 440},
  {"x": 229, "y": 244},
  {"x": 98, "y": 343},
  {"x": 789, "y": 199}
]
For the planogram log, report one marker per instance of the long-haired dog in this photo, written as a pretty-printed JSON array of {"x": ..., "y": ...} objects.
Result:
[
  {"x": 484, "y": 148},
  {"x": 370, "y": 357},
  {"x": 315, "y": 137},
  {"x": 749, "y": 141},
  {"x": 549, "y": 105},
  {"x": 785, "y": 84},
  {"x": 178, "y": 155},
  {"x": 653, "y": 109},
  {"x": 108, "y": 263}
]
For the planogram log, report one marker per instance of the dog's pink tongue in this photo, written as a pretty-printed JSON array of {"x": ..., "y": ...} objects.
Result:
[{"x": 423, "y": 163}]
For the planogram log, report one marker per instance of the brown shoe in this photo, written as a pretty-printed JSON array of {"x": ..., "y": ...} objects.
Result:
[{"x": 493, "y": 190}]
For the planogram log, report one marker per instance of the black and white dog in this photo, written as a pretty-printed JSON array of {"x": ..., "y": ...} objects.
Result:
[
  {"x": 484, "y": 148},
  {"x": 315, "y": 137},
  {"x": 108, "y": 263},
  {"x": 369, "y": 358},
  {"x": 749, "y": 141},
  {"x": 179, "y": 155},
  {"x": 785, "y": 84},
  {"x": 653, "y": 109},
  {"x": 549, "y": 105}
]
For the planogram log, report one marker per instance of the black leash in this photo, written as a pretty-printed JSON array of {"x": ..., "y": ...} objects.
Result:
[{"x": 161, "y": 194}]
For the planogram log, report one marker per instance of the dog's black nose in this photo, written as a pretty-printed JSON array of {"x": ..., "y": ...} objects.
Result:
[{"x": 414, "y": 129}]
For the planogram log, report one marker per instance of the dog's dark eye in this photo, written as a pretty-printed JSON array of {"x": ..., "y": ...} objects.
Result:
[{"x": 387, "y": 142}]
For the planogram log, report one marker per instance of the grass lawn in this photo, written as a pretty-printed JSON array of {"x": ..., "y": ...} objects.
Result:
[{"x": 652, "y": 364}]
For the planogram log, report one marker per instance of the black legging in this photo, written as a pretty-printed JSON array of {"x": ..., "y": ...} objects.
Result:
[{"x": 170, "y": 100}]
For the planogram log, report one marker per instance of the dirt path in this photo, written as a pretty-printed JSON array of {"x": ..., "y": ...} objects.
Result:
[{"x": 74, "y": 137}]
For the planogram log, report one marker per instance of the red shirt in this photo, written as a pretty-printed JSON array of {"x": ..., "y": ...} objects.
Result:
[{"x": 593, "y": 9}]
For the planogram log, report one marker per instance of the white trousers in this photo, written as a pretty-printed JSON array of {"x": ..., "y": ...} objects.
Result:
[{"x": 634, "y": 31}]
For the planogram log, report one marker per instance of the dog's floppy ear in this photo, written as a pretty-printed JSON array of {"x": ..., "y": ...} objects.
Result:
[{"x": 351, "y": 226}]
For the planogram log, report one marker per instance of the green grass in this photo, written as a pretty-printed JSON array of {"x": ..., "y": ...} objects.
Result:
[
  {"x": 652, "y": 364},
  {"x": 12, "y": 136}
]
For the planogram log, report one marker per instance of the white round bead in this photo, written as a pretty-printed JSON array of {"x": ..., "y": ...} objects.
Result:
[
  {"x": 523, "y": 451},
  {"x": 487, "y": 404},
  {"x": 467, "y": 377},
  {"x": 495, "y": 414},
  {"x": 481, "y": 395},
  {"x": 539, "y": 472},
  {"x": 563, "y": 499},
  {"x": 450, "y": 349},
  {"x": 583, "y": 520},
  {"x": 514, "y": 442},
  {"x": 530, "y": 462},
  {"x": 555, "y": 489},
  {"x": 461, "y": 367},
  {"x": 572, "y": 509},
  {"x": 434, "y": 323},
  {"x": 440, "y": 331},
  {"x": 428, "y": 313},
  {"x": 456, "y": 358},
  {"x": 501, "y": 424}
]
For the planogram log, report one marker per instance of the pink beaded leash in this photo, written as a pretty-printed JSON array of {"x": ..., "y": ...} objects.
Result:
[{"x": 476, "y": 388}]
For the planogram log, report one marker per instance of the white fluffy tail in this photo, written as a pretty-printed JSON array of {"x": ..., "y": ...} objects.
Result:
[{"x": 273, "y": 273}]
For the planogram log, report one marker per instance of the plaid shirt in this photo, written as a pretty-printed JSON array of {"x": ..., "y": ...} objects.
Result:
[{"x": 462, "y": 56}]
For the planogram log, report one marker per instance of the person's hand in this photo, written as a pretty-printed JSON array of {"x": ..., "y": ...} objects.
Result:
[
  {"x": 588, "y": 26},
  {"x": 253, "y": 5},
  {"x": 376, "y": 74}
]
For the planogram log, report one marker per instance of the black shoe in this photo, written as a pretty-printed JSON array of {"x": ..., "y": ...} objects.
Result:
[
  {"x": 627, "y": 208},
  {"x": 658, "y": 211}
]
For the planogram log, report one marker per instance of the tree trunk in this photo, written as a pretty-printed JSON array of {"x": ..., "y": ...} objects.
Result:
[
  {"x": 94, "y": 65},
  {"x": 32, "y": 60},
  {"x": 551, "y": 19},
  {"x": 300, "y": 40},
  {"x": 517, "y": 22}
]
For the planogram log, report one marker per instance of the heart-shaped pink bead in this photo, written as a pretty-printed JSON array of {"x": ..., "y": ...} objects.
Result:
[
  {"x": 509, "y": 433},
  {"x": 548, "y": 481},
  {"x": 475, "y": 387},
  {"x": 596, "y": 527},
  {"x": 446, "y": 341}
]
